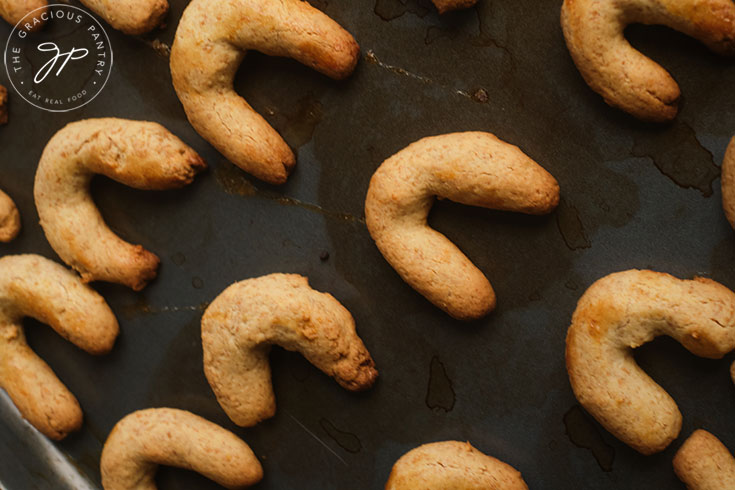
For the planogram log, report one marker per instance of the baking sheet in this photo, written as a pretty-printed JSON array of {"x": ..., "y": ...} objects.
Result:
[{"x": 634, "y": 196}]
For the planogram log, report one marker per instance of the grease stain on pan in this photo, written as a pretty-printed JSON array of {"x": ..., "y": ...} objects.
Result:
[
  {"x": 233, "y": 181},
  {"x": 440, "y": 393},
  {"x": 583, "y": 433},
  {"x": 570, "y": 226},
  {"x": 392, "y": 9},
  {"x": 679, "y": 155},
  {"x": 297, "y": 127},
  {"x": 346, "y": 440}
]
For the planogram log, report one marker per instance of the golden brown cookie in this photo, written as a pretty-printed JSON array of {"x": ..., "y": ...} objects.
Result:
[
  {"x": 140, "y": 154},
  {"x": 446, "y": 5},
  {"x": 211, "y": 41},
  {"x": 31, "y": 285},
  {"x": 14, "y": 10},
  {"x": 3, "y": 105},
  {"x": 241, "y": 324},
  {"x": 471, "y": 168},
  {"x": 623, "y": 311},
  {"x": 130, "y": 16},
  {"x": 728, "y": 183},
  {"x": 452, "y": 465},
  {"x": 9, "y": 218},
  {"x": 166, "y": 436},
  {"x": 704, "y": 463},
  {"x": 626, "y": 78}
]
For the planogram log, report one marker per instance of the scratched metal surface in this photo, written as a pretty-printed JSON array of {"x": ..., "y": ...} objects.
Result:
[{"x": 633, "y": 196}]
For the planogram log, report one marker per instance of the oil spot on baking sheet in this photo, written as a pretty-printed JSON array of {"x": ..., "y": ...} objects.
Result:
[
  {"x": 480, "y": 95},
  {"x": 392, "y": 9},
  {"x": 159, "y": 47},
  {"x": 678, "y": 154},
  {"x": 583, "y": 433},
  {"x": 233, "y": 181},
  {"x": 373, "y": 59},
  {"x": 197, "y": 282},
  {"x": 440, "y": 394},
  {"x": 571, "y": 285},
  {"x": 297, "y": 126},
  {"x": 467, "y": 26},
  {"x": 346, "y": 440},
  {"x": 570, "y": 226}
]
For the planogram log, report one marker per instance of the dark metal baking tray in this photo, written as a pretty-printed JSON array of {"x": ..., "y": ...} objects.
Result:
[{"x": 634, "y": 196}]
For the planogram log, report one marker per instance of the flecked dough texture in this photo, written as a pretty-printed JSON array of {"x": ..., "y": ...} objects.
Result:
[
  {"x": 704, "y": 463},
  {"x": 14, "y": 10},
  {"x": 211, "y": 41},
  {"x": 626, "y": 78},
  {"x": 728, "y": 183},
  {"x": 140, "y": 154},
  {"x": 242, "y": 323},
  {"x": 3, "y": 105},
  {"x": 145, "y": 439},
  {"x": 452, "y": 465},
  {"x": 130, "y": 16},
  {"x": 9, "y": 218},
  {"x": 472, "y": 168},
  {"x": 33, "y": 286},
  {"x": 447, "y": 5},
  {"x": 623, "y": 311}
]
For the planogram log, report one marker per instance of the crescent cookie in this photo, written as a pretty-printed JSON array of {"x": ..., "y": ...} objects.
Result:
[
  {"x": 9, "y": 218},
  {"x": 626, "y": 78},
  {"x": 704, "y": 463},
  {"x": 13, "y": 12},
  {"x": 623, "y": 311},
  {"x": 452, "y": 465},
  {"x": 473, "y": 168},
  {"x": 140, "y": 154},
  {"x": 211, "y": 41},
  {"x": 241, "y": 324},
  {"x": 130, "y": 16},
  {"x": 728, "y": 183},
  {"x": 31, "y": 285},
  {"x": 145, "y": 439}
]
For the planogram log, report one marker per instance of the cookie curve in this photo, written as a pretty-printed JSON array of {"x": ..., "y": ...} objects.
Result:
[
  {"x": 13, "y": 11},
  {"x": 474, "y": 168},
  {"x": 452, "y": 464},
  {"x": 132, "y": 17},
  {"x": 9, "y": 218},
  {"x": 623, "y": 76},
  {"x": 727, "y": 183},
  {"x": 141, "y": 154},
  {"x": 204, "y": 61},
  {"x": 241, "y": 324},
  {"x": 622, "y": 311},
  {"x": 31, "y": 285},
  {"x": 704, "y": 463},
  {"x": 145, "y": 439}
]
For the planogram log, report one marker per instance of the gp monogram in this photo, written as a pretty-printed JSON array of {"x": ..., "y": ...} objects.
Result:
[{"x": 59, "y": 59}]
